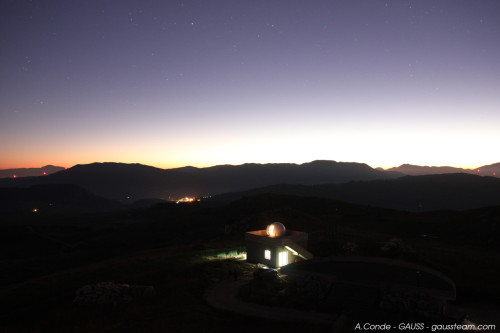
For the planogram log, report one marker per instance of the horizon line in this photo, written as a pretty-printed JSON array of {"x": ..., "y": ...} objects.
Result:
[{"x": 201, "y": 166}]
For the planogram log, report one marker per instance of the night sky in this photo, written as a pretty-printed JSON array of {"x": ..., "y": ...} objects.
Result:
[{"x": 174, "y": 83}]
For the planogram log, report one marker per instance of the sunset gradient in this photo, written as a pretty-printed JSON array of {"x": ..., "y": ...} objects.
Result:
[{"x": 175, "y": 83}]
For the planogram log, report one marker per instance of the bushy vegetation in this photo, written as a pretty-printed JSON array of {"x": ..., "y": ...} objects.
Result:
[{"x": 266, "y": 290}]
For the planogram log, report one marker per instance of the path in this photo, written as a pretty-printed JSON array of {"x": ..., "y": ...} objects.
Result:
[{"x": 223, "y": 296}]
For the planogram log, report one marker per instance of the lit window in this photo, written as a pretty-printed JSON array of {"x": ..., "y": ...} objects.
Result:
[
  {"x": 267, "y": 254},
  {"x": 283, "y": 258}
]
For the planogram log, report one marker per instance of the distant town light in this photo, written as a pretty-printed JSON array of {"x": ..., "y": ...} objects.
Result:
[
  {"x": 44, "y": 173},
  {"x": 35, "y": 210},
  {"x": 14, "y": 176},
  {"x": 188, "y": 199}
]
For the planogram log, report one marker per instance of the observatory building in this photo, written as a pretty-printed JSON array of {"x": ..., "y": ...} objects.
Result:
[{"x": 276, "y": 246}]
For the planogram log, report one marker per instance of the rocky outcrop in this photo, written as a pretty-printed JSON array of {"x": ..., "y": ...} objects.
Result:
[{"x": 111, "y": 293}]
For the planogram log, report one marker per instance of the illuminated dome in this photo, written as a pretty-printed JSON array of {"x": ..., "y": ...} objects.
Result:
[{"x": 276, "y": 229}]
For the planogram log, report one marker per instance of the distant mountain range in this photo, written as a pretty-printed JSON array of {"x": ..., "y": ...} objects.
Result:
[
  {"x": 404, "y": 169},
  {"x": 350, "y": 182},
  {"x": 130, "y": 182},
  {"x": 409, "y": 193},
  {"x": 30, "y": 172},
  {"x": 417, "y": 170}
]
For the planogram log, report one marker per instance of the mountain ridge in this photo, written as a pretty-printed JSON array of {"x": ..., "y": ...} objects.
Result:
[
  {"x": 123, "y": 182},
  {"x": 409, "y": 193},
  {"x": 30, "y": 172},
  {"x": 417, "y": 170},
  {"x": 346, "y": 181}
]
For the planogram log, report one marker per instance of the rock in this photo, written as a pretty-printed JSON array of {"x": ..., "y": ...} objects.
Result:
[{"x": 111, "y": 293}]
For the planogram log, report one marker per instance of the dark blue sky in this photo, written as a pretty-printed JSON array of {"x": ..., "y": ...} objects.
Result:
[{"x": 171, "y": 83}]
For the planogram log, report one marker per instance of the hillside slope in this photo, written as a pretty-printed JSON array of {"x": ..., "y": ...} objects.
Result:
[
  {"x": 126, "y": 182},
  {"x": 410, "y": 193}
]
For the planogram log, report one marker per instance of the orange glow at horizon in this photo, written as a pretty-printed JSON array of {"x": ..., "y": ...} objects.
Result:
[
  {"x": 265, "y": 145},
  {"x": 165, "y": 165}
]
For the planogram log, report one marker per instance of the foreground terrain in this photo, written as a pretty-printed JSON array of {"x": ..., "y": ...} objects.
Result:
[{"x": 46, "y": 258}]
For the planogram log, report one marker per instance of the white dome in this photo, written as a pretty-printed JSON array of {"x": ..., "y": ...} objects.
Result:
[{"x": 276, "y": 229}]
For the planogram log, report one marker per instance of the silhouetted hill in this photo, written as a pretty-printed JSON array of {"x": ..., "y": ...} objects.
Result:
[
  {"x": 130, "y": 182},
  {"x": 145, "y": 203},
  {"x": 417, "y": 170},
  {"x": 28, "y": 172},
  {"x": 489, "y": 170},
  {"x": 119, "y": 181},
  {"x": 53, "y": 198},
  {"x": 410, "y": 193}
]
